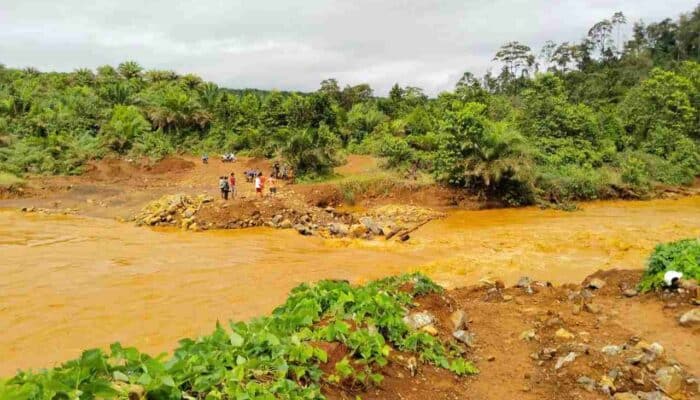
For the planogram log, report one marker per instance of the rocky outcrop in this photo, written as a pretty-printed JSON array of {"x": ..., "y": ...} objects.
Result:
[{"x": 174, "y": 210}]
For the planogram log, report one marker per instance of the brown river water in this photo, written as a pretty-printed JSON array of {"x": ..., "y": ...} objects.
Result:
[{"x": 69, "y": 283}]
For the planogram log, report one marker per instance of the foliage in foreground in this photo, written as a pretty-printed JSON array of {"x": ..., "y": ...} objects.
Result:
[
  {"x": 682, "y": 256},
  {"x": 278, "y": 356}
]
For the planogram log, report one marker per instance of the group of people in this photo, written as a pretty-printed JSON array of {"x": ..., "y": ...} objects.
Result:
[{"x": 228, "y": 185}]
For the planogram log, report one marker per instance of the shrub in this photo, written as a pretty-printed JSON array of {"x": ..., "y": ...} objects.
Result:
[
  {"x": 572, "y": 182},
  {"x": 634, "y": 173},
  {"x": 8, "y": 180},
  {"x": 125, "y": 125},
  {"x": 277, "y": 356},
  {"x": 682, "y": 256}
]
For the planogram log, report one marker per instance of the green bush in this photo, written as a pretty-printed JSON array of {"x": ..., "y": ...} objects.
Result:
[
  {"x": 573, "y": 182},
  {"x": 277, "y": 356},
  {"x": 682, "y": 256},
  {"x": 8, "y": 180},
  {"x": 635, "y": 173}
]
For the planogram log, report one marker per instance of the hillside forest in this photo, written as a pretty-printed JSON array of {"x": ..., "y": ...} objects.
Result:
[{"x": 600, "y": 117}]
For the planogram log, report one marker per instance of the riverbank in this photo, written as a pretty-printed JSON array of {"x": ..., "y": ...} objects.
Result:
[
  {"x": 533, "y": 340},
  {"x": 119, "y": 188}
]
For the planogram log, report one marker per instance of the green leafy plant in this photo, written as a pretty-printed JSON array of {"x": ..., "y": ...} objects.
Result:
[
  {"x": 682, "y": 256},
  {"x": 278, "y": 356}
]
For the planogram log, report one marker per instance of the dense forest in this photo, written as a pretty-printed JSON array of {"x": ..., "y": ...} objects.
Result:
[{"x": 570, "y": 121}]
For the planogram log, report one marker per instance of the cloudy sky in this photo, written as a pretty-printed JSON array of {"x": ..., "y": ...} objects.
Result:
[{"x": 293, "y": 45}]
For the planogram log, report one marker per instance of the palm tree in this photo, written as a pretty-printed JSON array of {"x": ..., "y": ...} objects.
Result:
[
  {"x": 156, "y": 75},
  {"x": 130, "y": 69},
  {"x": 500, "y": 152}
]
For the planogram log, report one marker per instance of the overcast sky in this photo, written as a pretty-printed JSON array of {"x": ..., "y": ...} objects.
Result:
[{"x": 293, "y": 45}]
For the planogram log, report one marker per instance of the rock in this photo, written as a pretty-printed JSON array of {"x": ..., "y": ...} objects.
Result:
[
  {"x": 669, "y": 380},
  {"x": 189, "y": 212},
  {"x": 430, "y": 329},
  {"x": 338, "y": 229},
  {"x": 528, "y": 335},
  {"x": 418, "y": 320},
  {"x": 302, "y": 229},
  {"x": 412, "y": 365},
  {"x": 286, "y": 224},
  {"x": 464, "y": 337},
  {"x": 592, "y": 308},
  {"x": 357, "y": 230},
  {"x": 656, "y": 395},
  {"x": 625, "y": 396},
  {"x": 491, "y": 358},
  {"x": 277, "y": 219},
  {"x": 329, "y": 209},
  {"x": 507, "y": 297},
  {"x": 655, "y": 348},
  {"x": 458, "y": 319},
  {"x": 611, "y": 350},
  {"x": 596, "y": 283},
  {"x": 563, "y": 334},
  {"x": 607, "y": 384},
  {"x": 547, "y": 353},
  {"x": 371, "y": 225},
  {"x": 630, "y": 293},
  {"x": 523, "y": 282},
  {"x": 586, "y": 383},
  {"x": 639, "y": 358},
  {"x": 576, "y": 310},
  {"x": 404, "y": 237},
  {"x": 690, "y": 318},
  {"x": 562, "y": 361}
]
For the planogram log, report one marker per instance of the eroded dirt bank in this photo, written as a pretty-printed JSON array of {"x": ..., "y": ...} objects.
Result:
[{"x": 574, "y": 341}]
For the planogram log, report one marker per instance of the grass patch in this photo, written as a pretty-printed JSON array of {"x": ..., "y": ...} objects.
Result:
[
  {"x": 8, "y": 180},
  {"x": 682, "y": 256},
  {"x": 380, "y": 183},
  {"x": 278, "y": 356}
]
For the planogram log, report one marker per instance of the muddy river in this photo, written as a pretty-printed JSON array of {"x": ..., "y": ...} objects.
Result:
[{"x": 68, "y": 283}]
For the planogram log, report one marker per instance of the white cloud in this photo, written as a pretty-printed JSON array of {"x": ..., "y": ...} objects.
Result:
[{"x": 295, "y": 44}]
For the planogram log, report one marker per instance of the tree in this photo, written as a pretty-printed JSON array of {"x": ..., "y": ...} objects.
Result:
[
  {"x": 516, "y": 57},
  {"x": 125, "y": 125},
  {"x": 469, "y": 89},
  {"x": 547, "y": 54},
  {"x": 311, "y": 151},
  {"x": 352, "y": 95},
  {"x": 599, "y": 35},
  {"x": 479, "y": 153},
  {"x": 563, "y": 55},
  {"x": 618, "y": 19},
  {"x": 330, "y": 88},
  {"x": 663, "y": 100},
  {"x": 688, "y": 35},
  {"x": 130, "y": 70}
]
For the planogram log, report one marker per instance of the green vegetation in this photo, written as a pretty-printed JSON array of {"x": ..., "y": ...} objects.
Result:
[
  {"x": 596, "y": 118},
  {"x": 682, "y": 256},
  {"x": 8, "y": 180},
  {"x": 278, "y": 356}
]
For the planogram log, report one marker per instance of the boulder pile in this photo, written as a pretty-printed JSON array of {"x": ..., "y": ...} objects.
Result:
[{"x": 173, "y": 210}]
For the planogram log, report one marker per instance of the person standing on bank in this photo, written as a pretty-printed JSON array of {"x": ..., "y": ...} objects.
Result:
[
  {"x": 223, "y": 186},
  {"x": 232, "y": 184}
]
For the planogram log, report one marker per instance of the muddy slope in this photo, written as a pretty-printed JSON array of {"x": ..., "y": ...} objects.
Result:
[{"x": 539, "y": 341}]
